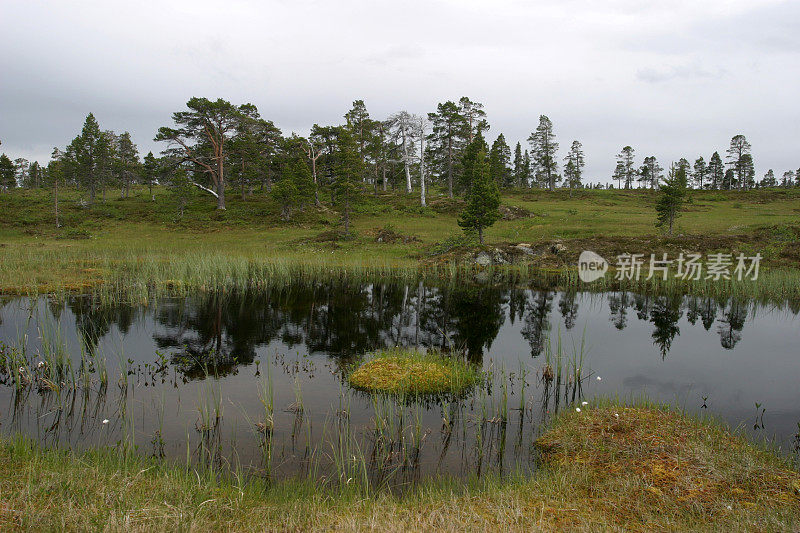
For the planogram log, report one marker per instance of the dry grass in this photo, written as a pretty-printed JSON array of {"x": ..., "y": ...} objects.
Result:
[
  {"x": 411, "y": 372},
  {"x": 648, "y": 470}
]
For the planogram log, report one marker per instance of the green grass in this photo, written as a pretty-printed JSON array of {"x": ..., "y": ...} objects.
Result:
[
  {"x": 136, "y": 242},
  {"x": 409, "y": 372},
  {"x": 650, "y": 468}
]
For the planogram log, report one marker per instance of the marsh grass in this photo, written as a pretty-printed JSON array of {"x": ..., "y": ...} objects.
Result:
[
  {"x": 650, "y": 468},
  {"x": 410, "y": 372},
  {"x": 136, "y": 249}
]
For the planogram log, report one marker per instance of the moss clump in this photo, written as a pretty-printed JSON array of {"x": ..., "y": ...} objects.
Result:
[{"x": 413, "y": 372}]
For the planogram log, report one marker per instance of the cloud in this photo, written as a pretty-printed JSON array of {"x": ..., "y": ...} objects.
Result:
[
  {"x": 680, "y": 72},
  {"x": 676, "y": 78}
]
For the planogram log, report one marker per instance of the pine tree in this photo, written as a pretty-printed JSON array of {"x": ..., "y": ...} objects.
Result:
[
  {"x": 573, "y": 169},
  {"x": 527, "y": 169},
  {"x": 35, "y": 173},
  {"x": 295, "y": 188},
  {"x": 700, "y": 172},
  {"x": 499, "y": 161},
  {"x": 150, "y": 172},
  {"x": 769, "y": 179},
  {"x": 473, "y": 116},
  {"x": 126, "y": 162},
  {"x": 797, "y": 178},
  {"x": 90, "y": 153},
  {"x": 519, "y": 168},
  {"x": 544, "y": 149},
  {"x": 788, "y": 179},
  {"x": 446, "y": 141},
  {"x": 201, "y": 136},
  {"x": 8, "y": 173},
  {"x": 748, "y": 171},
  {"x": 346, "y": 188},
  {"x": 619, "y": 174},
  {"x": 671, "y": 197},
  {"x": 470, "y": 162},
  {"x": 650, "y": 174},
  {"x": 737, "y": 158},
  {"x": 483, "y": 199},
  {"x": 625, "y": 166},
  {"x": 716, "y": 171}
]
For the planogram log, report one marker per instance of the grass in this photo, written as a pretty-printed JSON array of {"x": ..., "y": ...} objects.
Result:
[
  {"x": 138, "y": 243},
  {"x": 649, "y": 469},
  {"x": 409, "y": 372}
]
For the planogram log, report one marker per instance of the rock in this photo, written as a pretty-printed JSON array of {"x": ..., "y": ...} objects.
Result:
[
  {"x": 499, "y": 257},
  {"x": 558, "y": 248},
  {"x": 483, "y": 259},
  {"x": 525, "y": 248}
]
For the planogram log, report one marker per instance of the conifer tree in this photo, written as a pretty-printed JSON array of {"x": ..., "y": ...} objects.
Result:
[
  {"x": 527, "y": 169},
  {"x": 737, "y": 159},
  {"x": 671, "y": 197},
  {"x": 769, "y": 179},
  {"x": 346, "y": 188},
  {"x": 470, "y": 162},
  {"x": 716, "y": 171},
  {"x": 483, "y": 199},
  {"x": 150, "y": 172},
  {"x": 447, "y": 139},
  {"x": 544, "y": 150},
  {"x": 700, "y": 172},
  {"x": 499, "y": 161},
  {"x": 519, "y": 172},
  {"x": 8, "y": 173},
  {"x": 651, "y": 173},
  {"x": 573, "y": 168},
  {"x": 625, "y": 166}
]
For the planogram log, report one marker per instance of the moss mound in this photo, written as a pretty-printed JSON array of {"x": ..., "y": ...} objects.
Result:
[{"x": 413, "y": 372}]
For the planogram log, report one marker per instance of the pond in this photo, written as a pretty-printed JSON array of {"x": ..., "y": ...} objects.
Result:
[{"x": 256, "y": 382}]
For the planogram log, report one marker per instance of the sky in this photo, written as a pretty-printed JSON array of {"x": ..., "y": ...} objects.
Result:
[{"x": 675, "y": 78}]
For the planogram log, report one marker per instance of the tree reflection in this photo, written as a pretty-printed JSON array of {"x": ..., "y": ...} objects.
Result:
[
  {"x": 537, "y": 320},
  {"x": 665, "y": 311},
  {"x": 732, "y": 322}
]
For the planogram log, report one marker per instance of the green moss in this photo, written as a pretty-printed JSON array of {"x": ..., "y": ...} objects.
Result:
[{"x": 412, "y": 372}]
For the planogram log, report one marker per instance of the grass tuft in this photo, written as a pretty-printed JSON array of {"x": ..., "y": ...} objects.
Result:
[{"x": 401, "y": 371}]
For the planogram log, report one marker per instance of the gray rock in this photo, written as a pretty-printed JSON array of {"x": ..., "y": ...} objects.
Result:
[
  {"x": 483, "y": 259},
  {"x": 499, "y": 257},
  {"x": 526, "y": 249}
]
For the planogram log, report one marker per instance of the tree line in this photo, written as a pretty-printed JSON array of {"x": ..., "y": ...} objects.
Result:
[{"x": 222, "y": 148}]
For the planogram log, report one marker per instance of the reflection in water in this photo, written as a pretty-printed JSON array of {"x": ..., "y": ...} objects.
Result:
[{"x": 195, "y": 367}]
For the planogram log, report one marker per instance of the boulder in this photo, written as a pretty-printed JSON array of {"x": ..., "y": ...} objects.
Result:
[{"x": 483, "y": 259}]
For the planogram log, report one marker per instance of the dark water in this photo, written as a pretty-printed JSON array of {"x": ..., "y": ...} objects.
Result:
[{"x": 186, "y": 377}]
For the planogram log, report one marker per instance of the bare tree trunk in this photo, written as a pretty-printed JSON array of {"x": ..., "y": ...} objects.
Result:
[
  {"x": 422, "y": 165},
  {"x": 406, "y": 157}
]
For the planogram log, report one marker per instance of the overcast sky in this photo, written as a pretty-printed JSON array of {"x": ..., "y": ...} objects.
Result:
[{"x": 675, "y": 78}]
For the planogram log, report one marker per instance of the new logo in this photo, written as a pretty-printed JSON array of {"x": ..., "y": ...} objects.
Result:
[{"x": 591, "y": 266}]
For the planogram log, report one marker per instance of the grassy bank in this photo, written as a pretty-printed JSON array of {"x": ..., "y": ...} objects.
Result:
[
  {"x": 135, "y": 241},
  {"x": 607, "y": 467}
]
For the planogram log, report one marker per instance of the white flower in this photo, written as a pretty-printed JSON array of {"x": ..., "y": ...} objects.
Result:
[
  {"x": 40, "y": 365},
  {"x": 105, "y": 421},
  {"x": 599, "y": 378},
  {"x": 616, "y": 414},
  {"x": 578, "y": 409},
  {"x": 584, "y": 404},
  {"x": 730, "y": 508}
]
